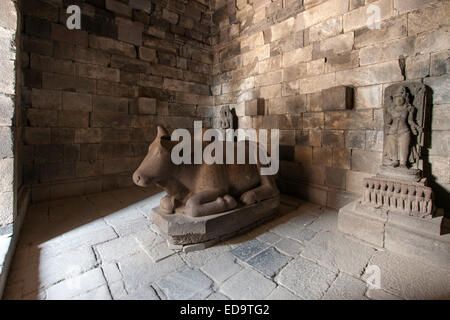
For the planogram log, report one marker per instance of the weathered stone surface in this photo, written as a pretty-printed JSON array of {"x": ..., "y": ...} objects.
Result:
[
  {"x": 338, "y": 98},
  {"x": 222, "y": 267},
  {"x": 335, "y": 252},
  {"x": 346, "y": 287},
  {"x": 306, "y": 279},
  {"x": 269, "y": 261},
  {"x": 371, "y": 75},
  {"x": 249, "y": 249},
  {"x": 248, "y": 285},
  {"x": 77, "y": 286},
  {"x": 185, "y": 230},
  {"x": 429, "y": 282},
  {"x": 185, "y": 284},
  {"x": 280, "y": 293}
]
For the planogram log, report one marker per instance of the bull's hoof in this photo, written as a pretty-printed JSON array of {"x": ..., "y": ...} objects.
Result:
[
  {"x": 249, "y": 197},
  {"x": 230, "y": 203},
  {"x": 167, "y": 205}
]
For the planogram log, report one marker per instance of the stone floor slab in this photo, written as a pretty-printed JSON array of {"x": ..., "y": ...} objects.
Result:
[
  {"x": 409, "y": 278},
  {"x": 269, "y": 261},
  {"x": 289, "y": 247},
  {"x": 306, "y": 279},
  {"x": 185, "y": 284},
  {"x": 76, "y": 286},
  {"x": 249, "y": 249},
  {"x": 247, "y": 285},
  {"x": 139, "y": 270},
  {"x": 336, "y": 252},
  {"x": 346, "y": 287},
  {"x": 222, "y": 267}
]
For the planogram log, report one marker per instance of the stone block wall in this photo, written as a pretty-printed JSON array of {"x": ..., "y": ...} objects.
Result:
[
  {"x": 301, "y": 58},
  {"x": 92, "y": 98},
  {"x": 10, "y": 133}
]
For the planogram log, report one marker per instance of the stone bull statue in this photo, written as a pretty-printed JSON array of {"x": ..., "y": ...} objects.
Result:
[{"x": 202, "y": 189}]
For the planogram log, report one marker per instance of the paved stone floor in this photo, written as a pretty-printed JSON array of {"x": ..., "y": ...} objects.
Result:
[{"x": 104, "y": 246}]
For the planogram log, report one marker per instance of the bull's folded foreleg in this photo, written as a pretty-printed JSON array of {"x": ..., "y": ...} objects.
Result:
[
  {"x": 209, "y": 202},
  {"x": 266, "y": 190}
]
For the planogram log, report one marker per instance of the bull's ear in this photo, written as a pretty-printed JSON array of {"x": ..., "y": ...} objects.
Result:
[{"x": 162, "y": 132}]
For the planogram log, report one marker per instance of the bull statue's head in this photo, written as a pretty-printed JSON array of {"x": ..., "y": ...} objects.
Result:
[{"x": 157, "y": 164}]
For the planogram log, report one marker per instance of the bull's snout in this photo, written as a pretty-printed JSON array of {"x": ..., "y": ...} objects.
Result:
[{"x": 139, "y": 179}]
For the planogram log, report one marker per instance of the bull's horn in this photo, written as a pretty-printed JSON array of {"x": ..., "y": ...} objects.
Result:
[{"x": 162, "y": 132}]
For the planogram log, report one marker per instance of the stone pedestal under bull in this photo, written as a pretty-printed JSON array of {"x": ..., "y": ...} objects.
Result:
[{"x": 205, "y": 202}]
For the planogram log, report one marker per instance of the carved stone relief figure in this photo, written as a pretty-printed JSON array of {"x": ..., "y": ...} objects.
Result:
[{"x": 404, "y": 108}]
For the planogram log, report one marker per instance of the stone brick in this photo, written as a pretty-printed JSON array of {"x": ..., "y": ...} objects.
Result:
[
  {"x": 441, "y": 117},
  {"x": 303, "y": 154},
  {"x": 8, "y": 15},
  {"x": 294, "y": 72},
  {"x": 118, "y": 7},
  {"x": 327, "y": 29},
  {"x": 147, "y": 54},
  {"x": 268, "y": 78},
  {"x": 57, "y": 171},
  {"x": 365, "y": 161},
  {"x": 42, "y": 118},
  {"x": 146, "y": 106},
  {"x": 258, "y": 54},
  {"x": 341, "y": 158},
  {"x": 313, "y": 120},
  {"x": 333, "y": 46},
  {"x": 144, "y": 5},
  {"x": 97, "y": 72},
  {"x": 269, "y": 92},
  {"x": 322, "y": 156},
  {"x": 408, "y": 5},
  {"x": 335, "y": 177},
  {"x": 254, "y": 107},
  {"x": 321, "y": 12},
  {"x": 43, "y": 63},
  {"x": 7, "y": 81},
  {"x": 61, "y": 33},
  {"x": 109, "y": 104},
  {"x": 281, "y": 30},
  {"x": 359, "y": 18},
  {"x": 317, "y": 83},
  {"x": 112, "y": 46},
  {"x": 91, "y": 56},
  {"x": 36, "y": 136},
  {"x": 37, "y": 45},
  {"x": 333, "y": 138},
  {"x": 428, "y": 18},
  {"x": 441, "y": 88},
  {"x": 343, "y": 61},
  {"x": 46, "y": 99},
  {"x": 355, "y": 139},
  {"x": 337, "y": 98},
  {"x": 374, "y": 140},
  {"x": 440, "y": 63},
  {"x": 6, "y": 175},
  {"x": 369, "y": 75},
  {"x": 37, "y": 27},
  {"x": 7, "y": 146},
  {"x": 433, "y": 41},
  {"x": 68, "y": 83},
  {"x": 63, "y": 135},
  {"x": 296, "y": 56},
  {"x": 349, "y": 120},
  {"x": 6, "y": 110},
  {"x": 109, "y": 119},
  {"x": 76, "y": 101},
  {"x": 73, "y": 119},
  {"x": 391, "y": 29},
  {"x": 387, "y": 51}
]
